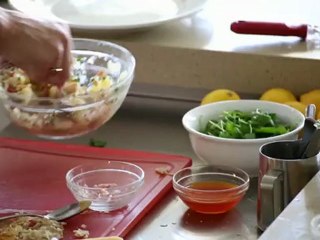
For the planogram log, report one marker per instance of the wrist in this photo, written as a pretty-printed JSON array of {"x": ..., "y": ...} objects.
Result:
[
  {"x": 5, "y": 19},
  {"x": 4, "y": 26}
]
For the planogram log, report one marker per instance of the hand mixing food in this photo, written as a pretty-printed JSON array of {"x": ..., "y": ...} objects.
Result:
[{"x": 101, "y": 76}]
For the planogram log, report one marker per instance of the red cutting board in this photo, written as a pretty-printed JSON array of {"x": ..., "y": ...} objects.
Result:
[{"x": 32, "y": 177}]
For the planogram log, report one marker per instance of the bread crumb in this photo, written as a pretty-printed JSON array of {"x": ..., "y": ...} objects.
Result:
[
  {"x": 83, "y": 226},
  {"x": 164, "y": 171},
  {"x": 81, "y": 233},
  {"x": 85, "y": 211},
  {"x": 105, "y": 185}
]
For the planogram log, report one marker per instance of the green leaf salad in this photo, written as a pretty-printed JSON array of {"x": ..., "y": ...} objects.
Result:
[{"x": 246, "y": 125}]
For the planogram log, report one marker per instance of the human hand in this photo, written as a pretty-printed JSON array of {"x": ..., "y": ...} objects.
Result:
[{"x": 36, "y": 46}]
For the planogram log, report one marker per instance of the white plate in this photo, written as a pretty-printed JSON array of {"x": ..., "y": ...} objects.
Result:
[{"x": 109, "y": 14}]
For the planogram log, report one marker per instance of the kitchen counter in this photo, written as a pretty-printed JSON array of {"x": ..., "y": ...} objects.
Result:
[
  {"x": 155, "y": 125},
  {"x": 210, "y": 29},
  {"x": 176, "y": 64},
  {"x": 294, "y": 223},
  {"x": 201, "y": 53}
]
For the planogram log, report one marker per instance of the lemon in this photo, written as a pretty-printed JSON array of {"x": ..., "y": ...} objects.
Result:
[
  {"x": 297, "y": 105},
  {"x": 312, "y": 97},
  {"x": 220, "y": 95},
  {"x": 279, "y": 95}
]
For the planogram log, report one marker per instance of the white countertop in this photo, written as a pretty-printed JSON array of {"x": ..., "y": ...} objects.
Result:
[
  {"x": 294, "y": 223},
  {"x": 210, "y": 28}
]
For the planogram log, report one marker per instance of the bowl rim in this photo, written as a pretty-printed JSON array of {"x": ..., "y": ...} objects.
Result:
[
  {"x": 138, "y": 181},
  {"x": 236, "y": 140},
  {"x": 243, "y": 187},
  {"x": 127, "y": 79}
]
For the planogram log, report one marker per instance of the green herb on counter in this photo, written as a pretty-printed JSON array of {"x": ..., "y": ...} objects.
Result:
[
  {"x": 97, "y": 143},
  {"x": 246, "y": 125}
]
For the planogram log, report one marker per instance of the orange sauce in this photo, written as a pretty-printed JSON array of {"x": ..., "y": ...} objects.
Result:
[
  {"x": 226, "y": 203},
  {"x": 212, "y": 185}
]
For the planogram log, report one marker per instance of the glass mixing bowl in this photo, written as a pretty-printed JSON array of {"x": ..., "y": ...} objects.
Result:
[{"x": 71, "y": 116}]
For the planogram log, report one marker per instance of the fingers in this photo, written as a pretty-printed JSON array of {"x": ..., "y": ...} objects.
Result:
[
  {"x": 64, "y": 58},
  {"x": 36, "y": 46},
  {"x": 67, "y": 57},
  {"x": 54, "y": 71},
  {"x": 48, "y": 71}
]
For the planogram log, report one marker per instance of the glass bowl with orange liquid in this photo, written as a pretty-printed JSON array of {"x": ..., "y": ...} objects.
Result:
[{"x": 211, "y": 189}]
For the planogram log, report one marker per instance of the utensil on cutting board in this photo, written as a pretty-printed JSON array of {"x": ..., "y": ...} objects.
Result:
[
  {"x": 308, "y": 129},
  {"x": 274, "y": 28},
  {"x": 58, "y": 214}
]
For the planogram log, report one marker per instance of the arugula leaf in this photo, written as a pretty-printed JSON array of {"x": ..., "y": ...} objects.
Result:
[
  {"x": 246, "y": 125},
  {"x": 97, "y": 143},
  {"x": 272, "y": 130}
]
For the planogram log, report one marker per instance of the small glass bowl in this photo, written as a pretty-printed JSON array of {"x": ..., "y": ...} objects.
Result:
[
  {"x": 211, "y": 189},
  {"x": 109, "y": 185}
]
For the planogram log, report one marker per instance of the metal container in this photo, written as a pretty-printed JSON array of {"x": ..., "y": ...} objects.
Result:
[{"x": 282, "y": 175}]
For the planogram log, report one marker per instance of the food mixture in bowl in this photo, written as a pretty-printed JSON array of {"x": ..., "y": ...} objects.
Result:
[
  {"x": 97, "y": 87},
  {"x": 30, "y": 228}
]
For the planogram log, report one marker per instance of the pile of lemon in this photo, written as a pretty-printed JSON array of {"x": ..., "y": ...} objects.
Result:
[{"x": 279, "y": 95}]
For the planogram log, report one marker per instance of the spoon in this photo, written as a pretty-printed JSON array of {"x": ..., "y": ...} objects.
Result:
[
  {"x": 58, "y": 214},
  {"x": 308, "y": 128},
  {"x": 313, "y": 146}
]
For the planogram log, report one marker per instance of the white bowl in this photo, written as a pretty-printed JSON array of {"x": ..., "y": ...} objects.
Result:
[{"x": 240, "y": 153}]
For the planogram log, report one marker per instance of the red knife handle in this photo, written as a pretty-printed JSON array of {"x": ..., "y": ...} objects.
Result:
[{"x": 269, "y": 28}]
